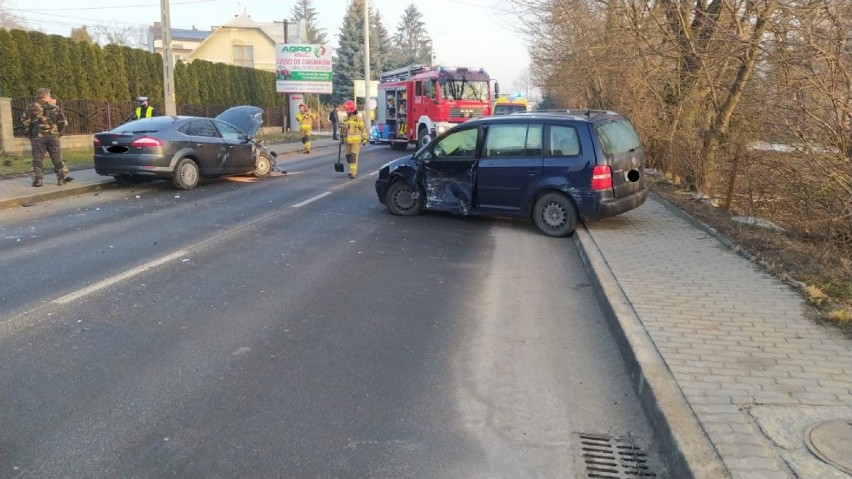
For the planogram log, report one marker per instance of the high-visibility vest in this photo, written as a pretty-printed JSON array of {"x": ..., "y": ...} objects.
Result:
[
  {"x": 356, "y": 130},
  {"x": 149, "y": 111},
  {"x": 305, "y": 120}
]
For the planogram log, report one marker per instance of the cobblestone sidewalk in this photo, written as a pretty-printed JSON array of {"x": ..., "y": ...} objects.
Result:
[{"x": 754, "y": 370}]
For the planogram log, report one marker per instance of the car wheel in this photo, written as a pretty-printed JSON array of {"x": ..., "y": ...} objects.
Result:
[
  {"x": 555, "y": 215},
  {"x": 186, "y": 174},
  {"x": 262, "y": 165},
  {"x": 401, "y": 199},
  {"x": 423, "y": 137}
]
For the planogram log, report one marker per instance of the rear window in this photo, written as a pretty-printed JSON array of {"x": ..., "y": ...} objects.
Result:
[
  {"x": 617, "y": 137},
  {"x": 145, "y": 125}
]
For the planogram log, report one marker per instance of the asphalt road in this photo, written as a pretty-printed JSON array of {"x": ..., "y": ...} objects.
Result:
[{"x": 291, "y": 327}]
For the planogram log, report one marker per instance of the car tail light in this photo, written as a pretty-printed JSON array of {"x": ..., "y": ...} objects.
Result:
[
  {"x": 146, "y": 142},
  {"x": 96, "y": 141},
  {"x": 601, "y": 178}
]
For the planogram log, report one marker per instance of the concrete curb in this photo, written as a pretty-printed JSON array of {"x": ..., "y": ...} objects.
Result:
[
  {"x": 683, "y": 444},
  {"x": 72, "y": 189},
  {"x": 64, "y": 192}
]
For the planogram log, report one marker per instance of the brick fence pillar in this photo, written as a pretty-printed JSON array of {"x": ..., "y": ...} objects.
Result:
[{"x": 6, "y": 136}]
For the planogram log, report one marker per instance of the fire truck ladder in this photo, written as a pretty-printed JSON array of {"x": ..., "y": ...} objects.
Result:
[{"x": 400, "y": 74}]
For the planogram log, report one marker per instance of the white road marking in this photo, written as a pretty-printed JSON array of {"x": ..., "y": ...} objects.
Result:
[
  {"x": 29, "y": 318},
  {"x": 119, "y": 277},
  {"x": 311, "y": 200}
]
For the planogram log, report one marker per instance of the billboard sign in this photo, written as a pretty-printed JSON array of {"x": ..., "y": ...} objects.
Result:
[{"x": 301, "y": 68}]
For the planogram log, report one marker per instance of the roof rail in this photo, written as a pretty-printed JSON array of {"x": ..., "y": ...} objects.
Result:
[{"x": 588, "y": 113}]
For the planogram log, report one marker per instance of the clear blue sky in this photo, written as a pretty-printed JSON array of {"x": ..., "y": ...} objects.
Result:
[{"x": 477, "y": 33}]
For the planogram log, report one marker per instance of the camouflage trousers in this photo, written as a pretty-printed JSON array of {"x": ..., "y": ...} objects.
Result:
[{"x": 49, "y": 145}]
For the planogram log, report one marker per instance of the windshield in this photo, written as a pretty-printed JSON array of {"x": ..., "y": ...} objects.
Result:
[
  {"x": 465, "y": 90},
  {"x": 507, "y": 109}
]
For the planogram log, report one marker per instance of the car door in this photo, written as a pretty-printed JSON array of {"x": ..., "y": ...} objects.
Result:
[
  {"x": 240, "y": 157},
  {"x": 569, "y": 157},
  {"x": 208, "y": 145},
  {"x": 450, "y": 170},
  {"x": 510, "y": 165}
]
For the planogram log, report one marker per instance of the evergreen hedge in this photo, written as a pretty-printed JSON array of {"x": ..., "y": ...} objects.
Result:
[{"x": 81, "y": 70}]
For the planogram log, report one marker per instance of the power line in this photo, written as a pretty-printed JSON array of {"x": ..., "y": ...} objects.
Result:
[
  {"x": 84, "y": 19},
  {"x": 113, "y": 6}
]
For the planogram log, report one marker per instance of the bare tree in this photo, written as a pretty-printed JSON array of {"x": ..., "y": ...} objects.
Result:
[
  {"x": 706, "y": 80},
  {"x": 9, "y": 20},
  {"x": 130, "y": 36},
  {"x": 81, "y": 34}
]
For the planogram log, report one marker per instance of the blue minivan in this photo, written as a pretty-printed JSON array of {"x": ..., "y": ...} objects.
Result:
[{"x": 555, "y": 167}]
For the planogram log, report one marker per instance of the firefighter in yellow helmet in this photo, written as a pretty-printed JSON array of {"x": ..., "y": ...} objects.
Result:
[
  {"x": 306, "y": 118},
  {"x": 354, "y": 134}
]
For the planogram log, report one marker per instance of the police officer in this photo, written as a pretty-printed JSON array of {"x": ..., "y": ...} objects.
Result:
[
  {"x": 45, "y": 123},
  {"x": 354, "y": 134},
  {"x": 144, "y": 110}
]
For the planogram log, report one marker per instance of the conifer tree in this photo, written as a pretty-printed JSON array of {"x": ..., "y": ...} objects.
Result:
[
  {"x": 11, "y": 75},
  {"x": 24, "y": 45},
  {"x": 60, "y": 69},
  {"x": 100, "y": 87},
  {"x": 381, "y": 56},
  {"x": 81, "y": 60},
  {"x": 304, "y": 9},
  {"x": 186, "y": 85},
  {"x": 116, "y": 80},
  {"x": 40, "y": 54},
  {"x": 349, "y": 56},
  {"x": 411, "y": 41},
  {"x": 154, "y": 83},
  {"x": 136, "y": 62},
  {"x": 197, "y": 69}
]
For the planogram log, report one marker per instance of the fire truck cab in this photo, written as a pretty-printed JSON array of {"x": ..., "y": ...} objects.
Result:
[{"x": 417, "y": 103}]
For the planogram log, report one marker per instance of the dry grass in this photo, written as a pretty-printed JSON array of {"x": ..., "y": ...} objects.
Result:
[
  {"x": 16, "y": 165},
  {"x": 823, "y": 267}
]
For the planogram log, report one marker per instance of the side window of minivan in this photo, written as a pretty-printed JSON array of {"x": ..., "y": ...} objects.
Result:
[
  {"x": 513, "y": 141},
  {"x": 460, "y": 145},
  {"x": 505, "y": 141},
  {"x": 534, "y": 135},
  {"x": 564, "y": 141}
]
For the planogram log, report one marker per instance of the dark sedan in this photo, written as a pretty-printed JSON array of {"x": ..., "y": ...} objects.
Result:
[{"x": 185, "y": 149}]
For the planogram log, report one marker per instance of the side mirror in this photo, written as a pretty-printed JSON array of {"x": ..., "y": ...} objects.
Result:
[{"x": 496, "y": 88}]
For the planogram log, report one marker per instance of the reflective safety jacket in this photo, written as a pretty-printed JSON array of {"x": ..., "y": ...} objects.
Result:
[
  {"x": 306, "y": 120},
  {"x": 148, "y": 113},
  {"x": 354, "y": 130}
]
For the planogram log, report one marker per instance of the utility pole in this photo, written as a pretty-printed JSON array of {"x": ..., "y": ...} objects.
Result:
[
  {"x": 168, "y": 63},
  {"x": 286, "y": 108},
  {"x": 367, "y": 67}
]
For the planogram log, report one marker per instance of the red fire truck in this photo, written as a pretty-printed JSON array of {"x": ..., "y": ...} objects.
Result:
[{"x": 416, "y": 102}]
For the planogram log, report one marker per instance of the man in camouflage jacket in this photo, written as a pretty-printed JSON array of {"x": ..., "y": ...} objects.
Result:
[{"x": 45, "y": 122}]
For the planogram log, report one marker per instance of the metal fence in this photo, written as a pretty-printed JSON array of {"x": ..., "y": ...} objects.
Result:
[{"x": 86, "y": 117}]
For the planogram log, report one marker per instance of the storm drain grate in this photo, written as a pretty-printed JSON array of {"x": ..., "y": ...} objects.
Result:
[{"x": 612, "y": 458}]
